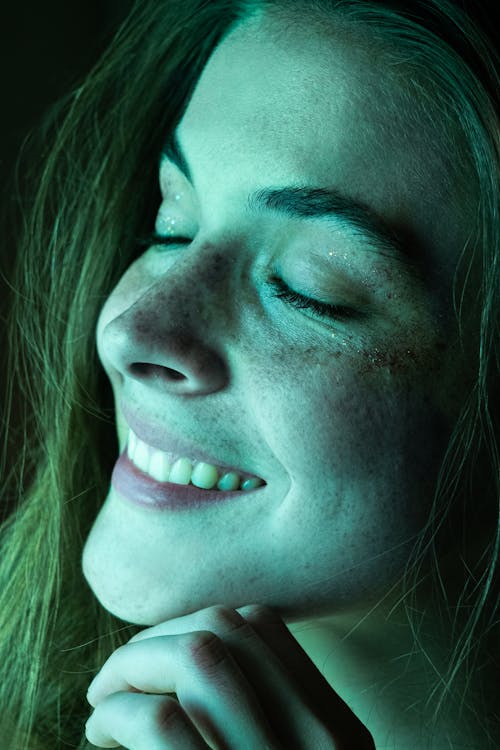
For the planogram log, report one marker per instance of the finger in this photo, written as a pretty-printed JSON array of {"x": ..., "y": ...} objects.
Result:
[
  {"x": 206, "y": 679},
  {"x": 291, "y": 715},
  {"x": 273, "y": 631},
  {"x": 315, "y": 691},
  {"x": 142, "y": 722}
]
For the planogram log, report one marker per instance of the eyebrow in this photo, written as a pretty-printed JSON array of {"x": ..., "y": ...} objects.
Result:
[{"x": 309, "y": 202}]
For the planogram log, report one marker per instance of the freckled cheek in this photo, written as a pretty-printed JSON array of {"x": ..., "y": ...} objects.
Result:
[
  {"x": 364, "y": 431},
  {"x": 351, "y": 431}
]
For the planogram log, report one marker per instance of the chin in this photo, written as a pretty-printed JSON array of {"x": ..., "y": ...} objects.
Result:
[
  {"x": 124, "y": 609},
  {"x": 111, "y": 599}
]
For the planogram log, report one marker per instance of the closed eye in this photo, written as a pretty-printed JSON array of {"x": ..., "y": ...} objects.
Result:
[
  {"x": 159, "y": 239},
  {"x": 301, "y": 302},
  {"x": 281, "y": 289}
]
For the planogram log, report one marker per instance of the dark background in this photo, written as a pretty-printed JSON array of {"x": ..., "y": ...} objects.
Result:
[{"x": 46, "y": 46}]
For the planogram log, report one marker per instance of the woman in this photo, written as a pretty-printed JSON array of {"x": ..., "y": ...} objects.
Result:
[{"x": 293, "y": 541}]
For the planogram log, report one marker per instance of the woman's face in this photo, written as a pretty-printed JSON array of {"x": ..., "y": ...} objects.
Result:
[{"x": 345, "y": 417}]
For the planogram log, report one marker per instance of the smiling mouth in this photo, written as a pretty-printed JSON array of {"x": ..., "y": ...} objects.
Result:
[{"x": 168, "y": 467}]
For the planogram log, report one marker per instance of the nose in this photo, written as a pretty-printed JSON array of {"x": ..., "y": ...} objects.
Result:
[{"x": 173, "y": 336}]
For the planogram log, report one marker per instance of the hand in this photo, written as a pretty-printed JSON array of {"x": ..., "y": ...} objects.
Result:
[{"x": 223, "y": 679}]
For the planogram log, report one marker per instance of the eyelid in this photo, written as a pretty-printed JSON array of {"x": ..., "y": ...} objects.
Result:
[
  {"x": 281, "y": 289},
  {"x": 301, "y": 301},
  {"x": 154, "y": 238}
]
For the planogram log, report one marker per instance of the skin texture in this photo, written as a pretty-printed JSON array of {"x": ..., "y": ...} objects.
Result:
[{"x": 346, "y": 420}]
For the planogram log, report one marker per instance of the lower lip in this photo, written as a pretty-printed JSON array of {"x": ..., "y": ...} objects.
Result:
[{"x": 141, "y": 489}]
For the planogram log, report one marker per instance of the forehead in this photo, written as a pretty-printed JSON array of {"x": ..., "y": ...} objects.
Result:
[
  {"x": 290, "y": 91},
  {"x": 296, "y": 102}
]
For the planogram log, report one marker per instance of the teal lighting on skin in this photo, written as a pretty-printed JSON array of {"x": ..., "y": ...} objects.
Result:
[{"x": 320, "y": 203}]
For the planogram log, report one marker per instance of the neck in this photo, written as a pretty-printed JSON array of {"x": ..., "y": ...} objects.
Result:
[{"x": 375, "y": 664}]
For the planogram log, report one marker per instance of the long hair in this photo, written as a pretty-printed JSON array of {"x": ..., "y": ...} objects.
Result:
[{"x": 90, "y": 190}]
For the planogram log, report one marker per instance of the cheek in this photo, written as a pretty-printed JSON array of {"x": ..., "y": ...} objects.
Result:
[
  {"x": 390, "y": 429},
  {"x": 348, "y": 428}
]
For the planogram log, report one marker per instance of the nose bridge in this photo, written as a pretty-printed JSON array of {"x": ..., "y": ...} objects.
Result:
[
  {"x": 199, "y": 288},
  {"x": 206, "y": 274}
]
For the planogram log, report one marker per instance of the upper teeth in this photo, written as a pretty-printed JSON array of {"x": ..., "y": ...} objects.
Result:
[{"x": 180, "y": 470}]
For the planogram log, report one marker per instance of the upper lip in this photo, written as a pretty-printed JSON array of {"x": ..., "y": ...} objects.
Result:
[{"x": 157, "y": 436}]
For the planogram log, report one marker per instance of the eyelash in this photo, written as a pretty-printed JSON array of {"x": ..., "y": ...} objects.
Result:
[
  {"x": 160, "y": 239},
  {"x": 323, "y": 309},
  {"x": 281, "y": 289}
]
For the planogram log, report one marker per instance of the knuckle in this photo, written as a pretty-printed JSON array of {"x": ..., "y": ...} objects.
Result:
[
  {"x": 169, "y": 714},
  {"x": 205, "y": 651},
  {"x": 222, "y": 618}
]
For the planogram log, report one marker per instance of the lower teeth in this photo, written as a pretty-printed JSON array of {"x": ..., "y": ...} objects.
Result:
[
  {"x": 251, "y": 484},
  {"x": 245, "y": 486},
  {"x": 229, "y": 484}
]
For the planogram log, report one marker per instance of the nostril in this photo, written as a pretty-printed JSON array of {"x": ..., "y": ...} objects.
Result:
[
  {"x": 157, "y": 371},
  {"x": 137, "y": 368},
  {"x": 173, "y": 374}
]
